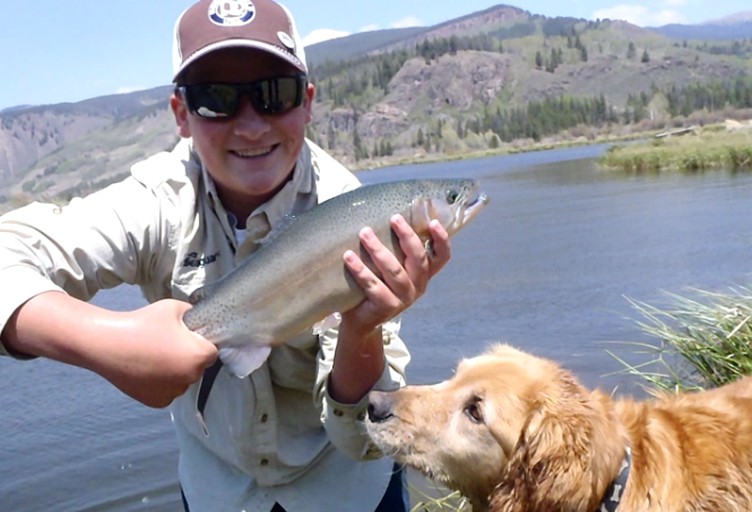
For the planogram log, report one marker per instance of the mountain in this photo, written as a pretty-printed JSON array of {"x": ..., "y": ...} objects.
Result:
[
  {"x": 499, "y": 76},
  {"x": 735, "y": 26},
  {"x": 346, "y": 48}
]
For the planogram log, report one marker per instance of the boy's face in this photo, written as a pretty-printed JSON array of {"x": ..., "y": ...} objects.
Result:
[{"x": 249, "y": 156}]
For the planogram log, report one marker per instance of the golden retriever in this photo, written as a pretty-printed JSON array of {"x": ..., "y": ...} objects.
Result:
[{"x": 517, "y": 433}]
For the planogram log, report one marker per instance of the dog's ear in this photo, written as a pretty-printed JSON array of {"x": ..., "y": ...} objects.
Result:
[{"x": 561, "y": 459}]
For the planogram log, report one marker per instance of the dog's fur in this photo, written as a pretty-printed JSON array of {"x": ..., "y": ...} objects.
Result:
[{"x": 516, "y": 433}]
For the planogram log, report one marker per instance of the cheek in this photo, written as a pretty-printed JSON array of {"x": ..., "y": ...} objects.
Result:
[
  {"x": 293, "y": 126},
  {"x": 207, "y": 137}
]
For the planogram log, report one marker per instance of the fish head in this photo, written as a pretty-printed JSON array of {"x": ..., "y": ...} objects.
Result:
[{"x": 453, "y": 202}]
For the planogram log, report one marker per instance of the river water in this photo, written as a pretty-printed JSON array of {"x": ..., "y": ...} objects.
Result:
[{"x": 548, "y": 267}]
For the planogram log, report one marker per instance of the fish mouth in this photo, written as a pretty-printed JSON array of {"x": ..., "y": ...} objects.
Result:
[
  {"x": 473, "y": 207},
  {"x": 472, "y": 202}
]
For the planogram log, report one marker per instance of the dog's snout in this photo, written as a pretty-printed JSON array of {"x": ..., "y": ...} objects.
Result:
[{"x": 379, "y": 406}]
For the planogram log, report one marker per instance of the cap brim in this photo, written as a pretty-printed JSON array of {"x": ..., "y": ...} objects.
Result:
[{"x": 240, "y": 43}]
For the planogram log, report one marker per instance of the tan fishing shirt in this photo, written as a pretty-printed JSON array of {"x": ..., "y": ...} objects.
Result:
[{"x": 273, "y": 436}]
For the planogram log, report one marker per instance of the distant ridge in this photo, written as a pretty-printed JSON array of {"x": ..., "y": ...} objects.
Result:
[
  {"x": 733, "y": 26},
  {"x": 348, "y": 47},
  {"x": 731, "y": 19},
  {"x": 500, "y": 76}
]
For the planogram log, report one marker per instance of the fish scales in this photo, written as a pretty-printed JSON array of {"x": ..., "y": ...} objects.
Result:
[{"x": 298, "y": 277}]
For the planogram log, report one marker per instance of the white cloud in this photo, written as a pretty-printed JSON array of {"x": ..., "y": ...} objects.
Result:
[
  {"x": 666, "y": 16},
  {"x": 369, "y": 28},
  {"x": 641, "y": 15},
  {"x": 410, "y": 21},
  {"x": 323, "y": 34},
  {"x": 129, "y": 89}
]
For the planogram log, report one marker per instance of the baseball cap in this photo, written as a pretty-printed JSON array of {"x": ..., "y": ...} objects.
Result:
[{"x": 211, "y": 25}]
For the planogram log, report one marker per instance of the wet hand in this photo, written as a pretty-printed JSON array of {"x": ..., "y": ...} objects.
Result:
[
  {"x": 394, "y": 285},
  {"x": 162, "y": 358}
]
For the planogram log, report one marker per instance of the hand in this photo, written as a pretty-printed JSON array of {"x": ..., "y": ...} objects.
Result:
[
  {"x": 359, "y": 357},
  {"x": 397, "y": 285},
  {"x": 162, "y": 358}
]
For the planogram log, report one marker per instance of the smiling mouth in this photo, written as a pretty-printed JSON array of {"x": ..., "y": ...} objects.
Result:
[{"x": 251, "y": 153}]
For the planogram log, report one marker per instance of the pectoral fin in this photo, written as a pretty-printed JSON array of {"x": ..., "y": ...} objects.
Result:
[
  {"x": 241, "y": 361},
  {"x": 329, "y": 322}
]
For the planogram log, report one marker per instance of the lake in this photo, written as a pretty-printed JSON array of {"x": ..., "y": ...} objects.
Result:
[{"x": 548, "y": 266}]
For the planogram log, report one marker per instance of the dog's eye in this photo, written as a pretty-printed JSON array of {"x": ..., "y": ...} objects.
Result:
[{"x": 474, "y": 412}]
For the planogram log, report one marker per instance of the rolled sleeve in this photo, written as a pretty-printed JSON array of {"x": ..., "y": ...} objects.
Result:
[
  {"x": 345, "y": 423},
  {"x": 87, "y": 245},
  {"x": 20, "y": 283}
]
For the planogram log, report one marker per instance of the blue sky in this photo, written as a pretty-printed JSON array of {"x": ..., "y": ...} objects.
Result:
[{"x": 57, "y": 51}]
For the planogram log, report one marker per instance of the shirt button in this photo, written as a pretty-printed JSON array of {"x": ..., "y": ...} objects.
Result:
[
  {"x": 338, "y": 412},
  {"x": 264, "y": 462},
  {"x": 264, "y": 418}
]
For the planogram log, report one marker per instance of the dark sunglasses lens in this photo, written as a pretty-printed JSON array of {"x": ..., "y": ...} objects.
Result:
[
  {"x": 277, "y": 95},
  {"x": 274, "y": 96},
  {"x": 213, "y": 100}
]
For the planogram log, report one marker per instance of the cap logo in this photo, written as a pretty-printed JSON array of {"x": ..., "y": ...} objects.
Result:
[
  {"x": 231, "y": 13},
  {"x": 286, "y": 40}
]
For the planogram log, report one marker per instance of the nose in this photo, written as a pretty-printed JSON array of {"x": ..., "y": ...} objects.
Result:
[
  {"x": 248, "y": 122},
  {"x": 379, "y": 406}
]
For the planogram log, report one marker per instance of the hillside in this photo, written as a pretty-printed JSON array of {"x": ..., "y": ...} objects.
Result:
[
  {"x": 736, "y": 26},
  {"x": 495, "y": 77}
]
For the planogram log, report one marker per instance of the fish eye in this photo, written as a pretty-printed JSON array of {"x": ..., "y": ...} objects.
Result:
[{"x": 452, "y": 196}]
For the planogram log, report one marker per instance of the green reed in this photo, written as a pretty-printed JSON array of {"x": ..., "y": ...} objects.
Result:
[
  {"x": 703, "y": 340},
  {"x": 706, "y": 150}
]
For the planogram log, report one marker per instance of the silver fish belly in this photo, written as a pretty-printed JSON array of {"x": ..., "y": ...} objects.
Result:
[{"x": 299, "y": 278}]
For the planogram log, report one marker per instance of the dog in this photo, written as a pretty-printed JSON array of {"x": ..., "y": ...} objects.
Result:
[{"x": 517, "y": 433}]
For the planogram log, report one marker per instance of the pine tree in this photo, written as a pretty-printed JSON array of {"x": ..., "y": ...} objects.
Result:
[{"x": 631, "y": 51}]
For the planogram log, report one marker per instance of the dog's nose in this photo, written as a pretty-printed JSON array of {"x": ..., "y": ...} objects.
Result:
[{"x": 379, "y": 406}]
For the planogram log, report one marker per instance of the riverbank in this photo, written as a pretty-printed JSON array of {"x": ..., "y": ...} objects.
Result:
[
  {"x": 731, "y": 122},
  {"x": 692, "y": 150}
]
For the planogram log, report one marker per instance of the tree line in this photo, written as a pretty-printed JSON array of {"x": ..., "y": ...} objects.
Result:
[{"x": 357, "y": 86}]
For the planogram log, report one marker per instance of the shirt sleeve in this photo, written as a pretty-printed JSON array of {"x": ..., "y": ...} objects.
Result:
[
  {"x": 345, "y": 423},
  {"x": 100, "y": 241}
]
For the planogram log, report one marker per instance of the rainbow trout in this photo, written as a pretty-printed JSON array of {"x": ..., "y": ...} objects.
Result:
[{"x": 298, "y": 277}]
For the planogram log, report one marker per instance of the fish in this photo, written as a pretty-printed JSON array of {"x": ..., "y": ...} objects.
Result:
[{"x": 297, "y": 278}]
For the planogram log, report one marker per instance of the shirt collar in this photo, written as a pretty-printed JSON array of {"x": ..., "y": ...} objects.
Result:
[{"x": 283, "y": 203}]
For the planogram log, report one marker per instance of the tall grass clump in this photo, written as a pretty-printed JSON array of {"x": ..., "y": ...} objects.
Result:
[
  {"x": 450, "y": 501},
  {"x": 707, "y": 150},
  {"x": 703, "y": 340}
]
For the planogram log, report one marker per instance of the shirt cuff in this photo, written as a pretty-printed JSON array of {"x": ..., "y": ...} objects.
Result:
[{"x": 345, "y": 423}]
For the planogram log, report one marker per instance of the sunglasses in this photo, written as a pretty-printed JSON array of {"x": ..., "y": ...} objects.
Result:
[{"x": 273, "y": 96}]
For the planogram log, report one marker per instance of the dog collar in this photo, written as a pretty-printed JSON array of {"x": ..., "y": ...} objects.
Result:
[{"x": 615, "y": 491}]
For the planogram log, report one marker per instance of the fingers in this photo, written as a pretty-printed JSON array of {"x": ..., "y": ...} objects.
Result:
[
  {"x": 423, "y": 259},
  {"x": 393, "y": 283},
  {"x": 387, "y": 283},
  {"x": 440, "y": 246}
]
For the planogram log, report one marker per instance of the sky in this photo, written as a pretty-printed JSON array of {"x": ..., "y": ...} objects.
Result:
[{"x": 57, "y": 51}]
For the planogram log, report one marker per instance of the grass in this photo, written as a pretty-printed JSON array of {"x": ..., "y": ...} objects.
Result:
[
  {"x": 451, "y": 502},
  {"x": 705, "y": 149},
  {"x": 704, "y": 339}
]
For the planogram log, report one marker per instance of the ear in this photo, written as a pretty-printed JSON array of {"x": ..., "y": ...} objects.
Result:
[
  {"x": 310, "y": 93},
  {"x": 180, "y": 111},
  {"x": 561, "y": 459}
]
